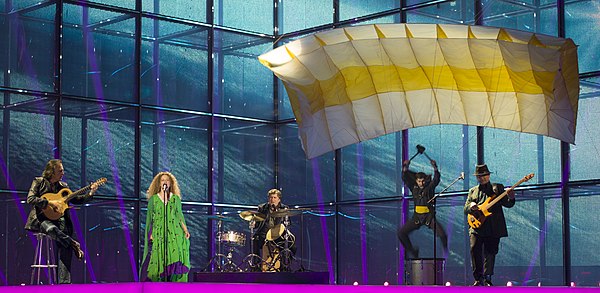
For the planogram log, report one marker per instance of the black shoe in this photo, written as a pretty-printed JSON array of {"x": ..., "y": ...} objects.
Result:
[
  {"x": 478, "y": 283},
  {"x": 487, "y": 280}
]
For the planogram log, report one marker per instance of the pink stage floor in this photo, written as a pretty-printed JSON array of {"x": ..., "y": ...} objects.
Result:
[{"x": 258, "y": 288}]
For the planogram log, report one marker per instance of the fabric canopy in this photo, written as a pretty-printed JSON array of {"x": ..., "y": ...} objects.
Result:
[{"x": 352, "y": 84}]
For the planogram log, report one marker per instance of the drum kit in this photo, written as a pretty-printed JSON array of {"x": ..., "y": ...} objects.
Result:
[{"x": 276, "y": 252}]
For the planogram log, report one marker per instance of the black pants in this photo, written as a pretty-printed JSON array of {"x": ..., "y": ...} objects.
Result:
[
  {"x": 259, "y": 240},
  {"x": 58, "y": 231},
  {"x": 412, "y": 225},
  {"x": 483, "y": 255}
]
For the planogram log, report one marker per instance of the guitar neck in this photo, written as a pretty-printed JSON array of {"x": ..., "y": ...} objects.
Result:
[
  {"x": 503, "y": 194},
  {"x": 77, "y": 193}
]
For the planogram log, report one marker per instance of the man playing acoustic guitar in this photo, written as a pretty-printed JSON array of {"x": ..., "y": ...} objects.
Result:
[
  {"x": 485, "y": 235},
  {"x": 60, "y": 229}
]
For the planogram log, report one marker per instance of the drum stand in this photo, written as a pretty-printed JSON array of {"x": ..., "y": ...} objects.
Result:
[
  {"x": 285, "y": 255},
  {"x": 252, "y": 262},
  {"x": 220, "y": 262}
]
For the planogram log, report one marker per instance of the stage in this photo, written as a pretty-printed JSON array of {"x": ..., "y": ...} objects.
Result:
[{"x": 148, "y": 287}]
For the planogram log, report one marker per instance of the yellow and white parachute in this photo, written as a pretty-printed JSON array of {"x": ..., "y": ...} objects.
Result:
[{"x": 352, "y": 84}]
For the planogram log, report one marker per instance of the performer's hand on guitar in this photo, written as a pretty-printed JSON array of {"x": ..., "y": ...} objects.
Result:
[
  {"x": 473, "y": 208},
  {"x": 433, "y": 164},
  {"x": 53, "y": 205},
  {"x": 510, "y": 193},
  {"x": 93, "y": 188},
  {"x": 405, "y": 165}
]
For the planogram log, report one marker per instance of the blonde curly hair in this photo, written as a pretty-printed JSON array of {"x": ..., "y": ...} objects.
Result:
[{"x": 155, "y": 187}]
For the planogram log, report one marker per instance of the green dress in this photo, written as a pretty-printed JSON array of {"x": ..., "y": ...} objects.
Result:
[{"x": 178, "y": 256}]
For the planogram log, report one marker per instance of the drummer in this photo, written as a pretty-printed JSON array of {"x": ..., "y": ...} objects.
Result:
[{"x": 274, "y": 204}]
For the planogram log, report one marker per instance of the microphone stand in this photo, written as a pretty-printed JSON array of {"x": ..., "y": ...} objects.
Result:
[
  {"x": 165, "y": 232},
  {"x": 433, "y": 203}
]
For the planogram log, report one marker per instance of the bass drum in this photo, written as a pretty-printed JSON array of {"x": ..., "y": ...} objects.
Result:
[{"x": 278, "y": 235}]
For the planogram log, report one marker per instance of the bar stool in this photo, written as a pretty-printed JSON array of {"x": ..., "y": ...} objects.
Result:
[{"x": 44, "y": 259}]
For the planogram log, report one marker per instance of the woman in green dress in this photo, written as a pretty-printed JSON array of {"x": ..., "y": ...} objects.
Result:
[{"x": 164, "y": 196}]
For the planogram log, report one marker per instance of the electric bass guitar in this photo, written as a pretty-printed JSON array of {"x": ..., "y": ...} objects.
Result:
[
  {"x": 477, "y": 219},
  {"x": 62, "y": 199}
]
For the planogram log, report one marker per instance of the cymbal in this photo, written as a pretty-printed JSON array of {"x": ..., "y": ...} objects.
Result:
[
  {"x": 287, "y": 212},
  {"x": 221, "y": 218},
  {"x": 252, "y": 215}
]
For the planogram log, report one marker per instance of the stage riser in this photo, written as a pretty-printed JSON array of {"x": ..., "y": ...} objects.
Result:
[{"x": 267, "y": 278}]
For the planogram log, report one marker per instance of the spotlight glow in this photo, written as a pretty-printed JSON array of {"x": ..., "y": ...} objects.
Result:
[
  {"x": 355, "y": 283},
  {"x": 448, "y": 284}
]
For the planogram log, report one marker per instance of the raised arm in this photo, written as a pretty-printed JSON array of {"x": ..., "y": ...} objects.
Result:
[{"x": 408, "y": 177}]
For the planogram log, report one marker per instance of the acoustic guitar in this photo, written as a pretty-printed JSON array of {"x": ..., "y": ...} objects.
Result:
[
  {"x": 475, "y": 221},
  {"x": 62, "y": 198}
]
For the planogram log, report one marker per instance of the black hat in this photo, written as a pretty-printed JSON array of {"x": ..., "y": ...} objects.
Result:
[{"x": 481, "y": 170}]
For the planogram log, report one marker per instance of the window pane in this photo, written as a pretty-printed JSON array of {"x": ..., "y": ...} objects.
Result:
[
  {"x": 317, "y": 241},
  {"x": 581, "y": 19},
  {"x": 447, "y": 12},
  {"x": 548, "y": 24},
  {"x": 582, "y": 200},
  {"x": 511, "y": 155},
  {"x": 393, "y": 18},
  {"x": 252, "y": 16},
  {"x": 174, "y": 65},
  {"x": 284, "y": 108},
  {"x": 372, "y": 168},
  {"x": 584, "y": 155},
  {"x": 111, "y": 247},
  {"x": 99, "y": 59},
  {"x": 298, "y": 15},
  {"x": 99, "y": 141},
  {"x": 303, "y": 181},
  {"x": 31, "y": 138},
  {"x": 129, "y": 4},
  {"x": 495, "y": 14},
  {"x": 30, "y": 49},
  {"x": 450, "y": 214},
  {"x": 367, "y": 243},
  {"x": 177, "y": 143},
  {"x": 449, "y": 146},
  {"x": 244, "y": 161},
  {"x": 356, "y": 8},
  {"x": 529, "y": 18},
  {"x": 243, "y": 86},
  {"x": 186, "y": 9},
  {"x": 16, "y": 254}
]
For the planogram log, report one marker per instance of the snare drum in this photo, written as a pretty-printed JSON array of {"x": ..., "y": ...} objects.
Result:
[{"x": 232, "y": 238}]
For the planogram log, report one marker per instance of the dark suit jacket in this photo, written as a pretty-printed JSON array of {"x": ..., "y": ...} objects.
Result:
[
  {"x": 269, "y": 222},
  {"x": 495, "y": 224},
  {"x": 39, "y": 187}
]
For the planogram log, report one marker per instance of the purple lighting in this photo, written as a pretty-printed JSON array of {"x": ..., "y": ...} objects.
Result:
[
  {"x": 363, "y": 224},
  {"x": 97, "y": 84},
  {"x": 324, "y": 230}
]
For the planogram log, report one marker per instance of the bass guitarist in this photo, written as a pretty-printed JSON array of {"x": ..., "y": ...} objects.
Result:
[
  {"x": 61, "y": 230},
  {"x": 485, "y": 239}
]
